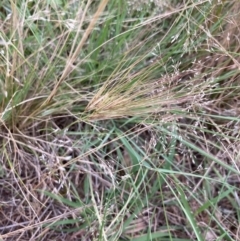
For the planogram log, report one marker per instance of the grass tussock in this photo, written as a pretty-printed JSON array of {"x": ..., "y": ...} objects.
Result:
[{"x": 119, "y": 120}]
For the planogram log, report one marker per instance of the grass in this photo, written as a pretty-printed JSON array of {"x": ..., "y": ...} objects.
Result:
[{"x": 119, "y": 120}]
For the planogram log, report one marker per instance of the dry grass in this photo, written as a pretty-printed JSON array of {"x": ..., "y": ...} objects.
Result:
[{"x": 139, "y": 143}]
